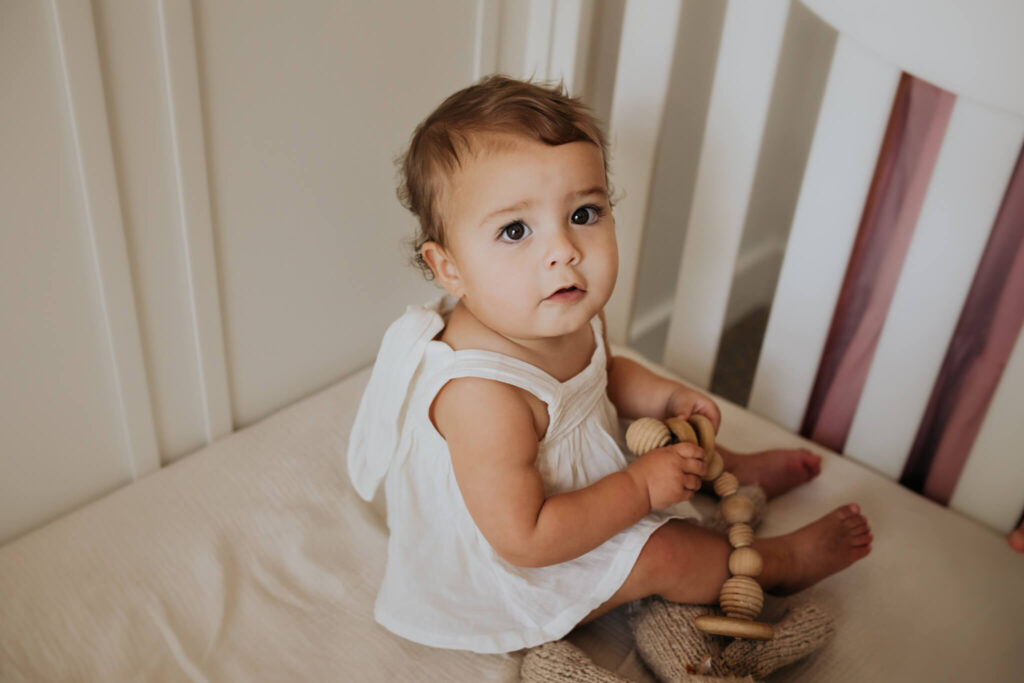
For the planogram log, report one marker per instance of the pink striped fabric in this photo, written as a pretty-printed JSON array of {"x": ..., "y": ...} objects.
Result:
[
  {"x": 985, "y": 335},
  {"x": 909, "y": 150}
]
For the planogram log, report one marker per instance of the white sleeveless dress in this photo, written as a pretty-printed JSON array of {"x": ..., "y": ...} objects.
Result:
[{"x": 444, "y": 585}]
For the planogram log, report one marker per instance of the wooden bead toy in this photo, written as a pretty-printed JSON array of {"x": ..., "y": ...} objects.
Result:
[
  {"x": 726, "y": 484},
  {"x": 715, "y": 466},
  {"x": 741, "y": 596},
  {"x": 682, "y": 430},
  {"x": 740, "y": 535},
  {"x": 646, "y": 434},
  {"x": 737, "y": 509},
  {"x": 745, "y": 561}
]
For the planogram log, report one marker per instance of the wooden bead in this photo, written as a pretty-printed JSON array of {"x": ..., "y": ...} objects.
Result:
[
  {"x": 705, "y": 432},
  {"x": 740, "y": 535},
  {"x": 745, "y": 562},
  {"x": 726, "y": 484},
  {"x": 646, "y": 434},
  {"x": 682, "y": 430},
  {"x": 714, "y": 466},
  {"x": 741, "y": 597},
  {"x": 737, "y": 509},
  {"x": 734, "y": 628}
]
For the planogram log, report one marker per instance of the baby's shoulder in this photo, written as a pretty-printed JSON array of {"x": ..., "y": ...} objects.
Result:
[{"x": 485, "y": 403}]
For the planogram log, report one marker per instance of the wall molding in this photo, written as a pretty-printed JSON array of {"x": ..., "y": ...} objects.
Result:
[
  {"x": 192, "y": 198},
  {"x": 78, "y": 57}
]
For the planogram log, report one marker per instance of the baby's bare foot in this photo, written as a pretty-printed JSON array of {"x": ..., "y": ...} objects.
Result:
[
  {"x": 816, "y": 551},
  {"x": 775, "y": 471},
  {"x": 1016, "y": 539}
]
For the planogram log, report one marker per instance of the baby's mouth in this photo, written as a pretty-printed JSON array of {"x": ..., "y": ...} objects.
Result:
[{"x": 570, "y": 293}]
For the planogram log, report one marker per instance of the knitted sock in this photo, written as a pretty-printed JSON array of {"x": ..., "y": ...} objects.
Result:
[
  {"x": 561, "y": 661},
  {"x": 672, "y": 647},
  {"x": 757, "y": 497},
  {"x": 803, "y": 630}
]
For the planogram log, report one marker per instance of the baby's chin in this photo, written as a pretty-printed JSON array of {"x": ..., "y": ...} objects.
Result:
[{"x": 567, "y": 322}]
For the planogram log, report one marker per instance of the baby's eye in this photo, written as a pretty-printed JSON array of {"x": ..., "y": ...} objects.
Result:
[
  {"x": 586, "y": 215},
  {"x": 514, "y": 232}
]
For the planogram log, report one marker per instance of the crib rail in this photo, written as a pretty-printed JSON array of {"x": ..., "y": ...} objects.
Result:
[{"x": 894, "y": 327}]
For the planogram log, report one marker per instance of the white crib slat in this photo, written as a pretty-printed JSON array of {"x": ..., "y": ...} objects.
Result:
[
  {"x": 486, "y": 38},
  {"x": 991, "y": 485},
  {"x": 540, "y": 21},
  {"x": 638, "y": 104},
  {"x": 851, "y": 125},
  {"x": 971, "y": 173},
  {"x": 571, "y": 19},
  {"x": 740, "y": 97}
]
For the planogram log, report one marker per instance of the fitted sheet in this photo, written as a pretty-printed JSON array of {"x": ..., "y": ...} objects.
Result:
[{"x": 254, "y": 559}]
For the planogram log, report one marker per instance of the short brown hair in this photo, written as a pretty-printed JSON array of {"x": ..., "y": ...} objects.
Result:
[{"x": 495, "y": 104}]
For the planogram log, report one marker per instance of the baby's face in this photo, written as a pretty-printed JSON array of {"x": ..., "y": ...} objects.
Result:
[{"x": 531, "y": 237}]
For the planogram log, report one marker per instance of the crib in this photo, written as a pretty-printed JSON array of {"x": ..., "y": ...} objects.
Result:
[{"x": 201, "y": 250}]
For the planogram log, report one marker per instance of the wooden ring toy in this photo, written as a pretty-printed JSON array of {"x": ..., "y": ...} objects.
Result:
[
  {"x": 741, "y": 597},
  {"x": 682, "y": 430}
]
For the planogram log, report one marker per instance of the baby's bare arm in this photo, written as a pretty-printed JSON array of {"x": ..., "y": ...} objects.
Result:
[
  {"x": 493, "y": 443},
  {"x": 636, "y": 392}
]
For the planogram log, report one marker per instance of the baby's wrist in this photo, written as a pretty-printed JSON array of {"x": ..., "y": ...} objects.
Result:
[
  {"x": 639, "y": 483},
  {"x": 672, "y": 405}
]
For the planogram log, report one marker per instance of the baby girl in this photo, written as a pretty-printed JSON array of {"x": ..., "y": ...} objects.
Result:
[{"x": 492, "y": 413}]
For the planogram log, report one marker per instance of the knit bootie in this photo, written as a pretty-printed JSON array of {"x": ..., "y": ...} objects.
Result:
[
  {"x": 674, "y": 649},
  {"x": 561, "y": 661},
  {"x": 804, "y": 629}
]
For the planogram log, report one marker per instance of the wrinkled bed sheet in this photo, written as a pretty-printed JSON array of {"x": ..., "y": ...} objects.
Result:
[{"x": 253, "y": 560}]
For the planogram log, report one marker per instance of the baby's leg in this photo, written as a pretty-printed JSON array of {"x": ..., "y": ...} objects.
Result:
[
  {"x": 685, "y": 563},
  {"x": 775, "y": 471}
]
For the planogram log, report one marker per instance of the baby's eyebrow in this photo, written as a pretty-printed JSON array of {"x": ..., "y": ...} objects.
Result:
[
  {"x": 597, "y": 189},
  {"x": 518, "y": 206}
]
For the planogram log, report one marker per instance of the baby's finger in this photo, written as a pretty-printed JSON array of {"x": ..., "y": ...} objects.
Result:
[
  {"x": 692, "y": 482},
  {"x": 690, "y": 451},
  {"x": 694, "y": 466}
]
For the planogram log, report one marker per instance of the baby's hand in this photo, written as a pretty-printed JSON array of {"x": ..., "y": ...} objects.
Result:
[
  {"x": 684, "y": 402},
  {"x": 670, "y": 474}
]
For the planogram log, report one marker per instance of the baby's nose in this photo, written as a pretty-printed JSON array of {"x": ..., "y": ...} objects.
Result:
[{"x": 562, "y": 250}]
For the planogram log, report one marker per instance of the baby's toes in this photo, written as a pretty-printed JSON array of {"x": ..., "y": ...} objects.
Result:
[
  {"x": 811, "y": 463},
  {"x": 850, "y": 513},
  {"x": 855, "y": 526}
]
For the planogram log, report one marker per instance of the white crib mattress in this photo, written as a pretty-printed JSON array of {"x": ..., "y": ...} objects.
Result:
[{"x": 253, "y": 559}]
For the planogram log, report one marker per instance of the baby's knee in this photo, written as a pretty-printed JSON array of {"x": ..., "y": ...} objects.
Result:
[
  {"x": 663, "y": 558},
  {"x": 680, "y": 551}
]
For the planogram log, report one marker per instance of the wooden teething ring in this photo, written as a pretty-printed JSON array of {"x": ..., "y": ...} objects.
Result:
[{"x": 741, "y": 597}]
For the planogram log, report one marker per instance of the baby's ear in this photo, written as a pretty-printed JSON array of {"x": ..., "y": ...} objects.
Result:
[{"x": 443, "y": 267}]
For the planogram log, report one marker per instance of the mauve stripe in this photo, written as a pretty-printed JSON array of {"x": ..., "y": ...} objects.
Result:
[
  {"x": 911, "y": 146},
  {"x": 982, "y": 342}
]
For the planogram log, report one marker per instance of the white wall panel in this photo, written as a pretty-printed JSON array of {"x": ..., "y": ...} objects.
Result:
[
  {"x": 134, "y": 51},
  {"x": 304, "y": 113},
  {"x": 74, "y": 412}
]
